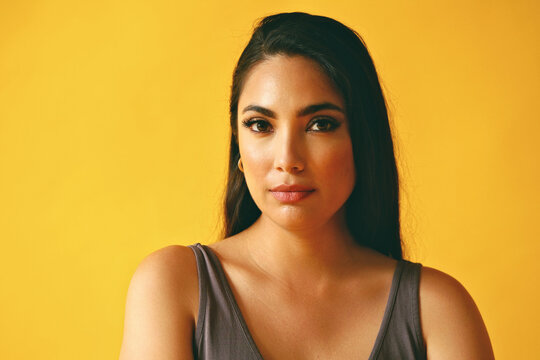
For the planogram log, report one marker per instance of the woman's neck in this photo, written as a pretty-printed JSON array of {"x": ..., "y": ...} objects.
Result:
[{"x": 315, "y": 253}]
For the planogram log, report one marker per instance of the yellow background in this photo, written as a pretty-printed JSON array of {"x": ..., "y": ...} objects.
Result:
[{"x": 113, "y": 140}]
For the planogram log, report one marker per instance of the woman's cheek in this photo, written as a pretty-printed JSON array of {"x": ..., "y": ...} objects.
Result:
[
  {"x": 255, "y": 162},
  {"x": 338, "y": 167}
]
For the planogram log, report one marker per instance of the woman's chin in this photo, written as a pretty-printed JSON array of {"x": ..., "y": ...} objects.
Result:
[{"x": 295, "y": 219}]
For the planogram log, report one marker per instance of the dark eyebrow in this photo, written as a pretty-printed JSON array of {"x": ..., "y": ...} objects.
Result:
[{"x": 303, "y": 112}]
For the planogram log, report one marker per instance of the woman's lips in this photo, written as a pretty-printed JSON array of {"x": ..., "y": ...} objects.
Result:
[{"x": 291, "y": 196}]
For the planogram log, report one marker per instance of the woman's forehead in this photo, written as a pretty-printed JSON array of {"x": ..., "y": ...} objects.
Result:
[{"x": 288, "y": 81}]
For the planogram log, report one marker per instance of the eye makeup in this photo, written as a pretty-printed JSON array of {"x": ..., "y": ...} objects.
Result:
[{"x": 328, "y": 125}]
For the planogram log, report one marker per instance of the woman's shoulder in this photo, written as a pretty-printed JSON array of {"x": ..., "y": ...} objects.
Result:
[
  {"x": 439, "y": 290},
  {"x": 451, "y": 322},
  {"x": 160, "y": 305},
  {"x": 171, "y": 258},
  {"x": 167, "y": 276},
  {"x": 172, "y": 270}
]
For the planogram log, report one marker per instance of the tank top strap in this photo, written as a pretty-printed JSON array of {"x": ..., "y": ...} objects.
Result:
[
  {"x": 402, "y": 338},
  {"x": 221, "y": 332},
  {"x": 204, "y": 280}
]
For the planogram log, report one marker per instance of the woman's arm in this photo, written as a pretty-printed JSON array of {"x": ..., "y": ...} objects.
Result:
[
  {"x": 161, "y": 302},
  {"x": 452, "y": 325}
]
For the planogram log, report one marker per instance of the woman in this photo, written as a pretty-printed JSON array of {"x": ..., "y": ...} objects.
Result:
[{"x": 311, "y": 265}]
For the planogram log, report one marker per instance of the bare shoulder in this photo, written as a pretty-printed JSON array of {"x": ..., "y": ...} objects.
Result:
[
  {"x": 161, "y": 304},
  {"x": 174, "y": 260},
  {"x": 451, "y": 322},
  {"x": 171, "y": 272}
]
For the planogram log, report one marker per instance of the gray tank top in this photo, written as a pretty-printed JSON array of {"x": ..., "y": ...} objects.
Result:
[{"x": 222, "y": 334}]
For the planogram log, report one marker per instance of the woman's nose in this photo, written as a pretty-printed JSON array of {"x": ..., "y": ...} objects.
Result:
[{"x": 288, "y": 154}]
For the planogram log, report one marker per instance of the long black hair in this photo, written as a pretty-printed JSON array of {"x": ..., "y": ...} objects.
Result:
[{"x": 372, "y": 210}]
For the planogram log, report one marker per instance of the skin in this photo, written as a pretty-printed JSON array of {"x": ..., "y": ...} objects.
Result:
[{"x": 296, "y": 273}]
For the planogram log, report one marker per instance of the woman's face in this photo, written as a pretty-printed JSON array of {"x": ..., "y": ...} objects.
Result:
[{"x": 292, "y": 130}]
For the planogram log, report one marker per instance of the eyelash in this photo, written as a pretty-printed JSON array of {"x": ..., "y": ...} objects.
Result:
[{"x": 333, "y": 124}]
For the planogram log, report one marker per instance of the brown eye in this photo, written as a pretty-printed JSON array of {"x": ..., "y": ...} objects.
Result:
[
  {"x": 258, "y": 126},
  {"x": 324, "y": 125}
]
